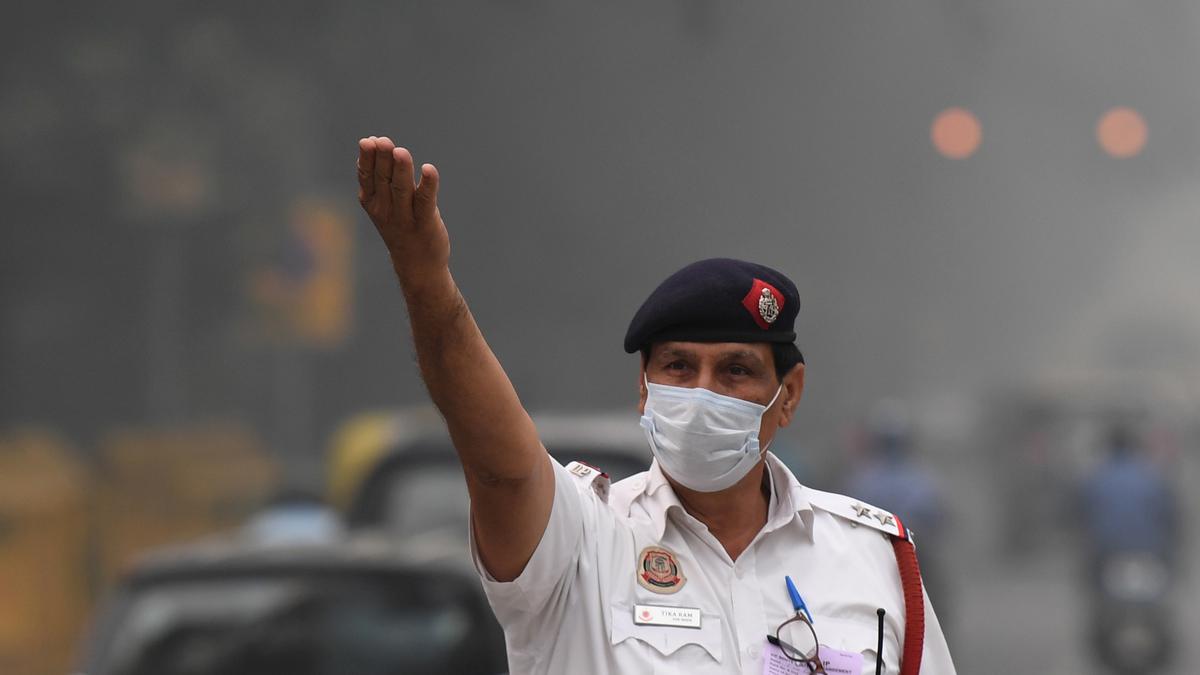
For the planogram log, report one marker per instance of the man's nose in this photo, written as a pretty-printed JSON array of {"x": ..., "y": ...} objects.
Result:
[{"x": 706, "y": 378}]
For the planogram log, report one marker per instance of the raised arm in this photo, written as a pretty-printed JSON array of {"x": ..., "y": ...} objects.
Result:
[{"x": 509, "y": 475}]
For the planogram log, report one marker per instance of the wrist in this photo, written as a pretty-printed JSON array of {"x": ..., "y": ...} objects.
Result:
[{"x": 424, "y": 283}]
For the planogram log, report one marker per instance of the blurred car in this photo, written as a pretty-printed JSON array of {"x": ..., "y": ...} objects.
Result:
[
  {"x": 354, "y": 604},
  {"x": 294, "y": 516},
  {"x": 399, "y": 471}
]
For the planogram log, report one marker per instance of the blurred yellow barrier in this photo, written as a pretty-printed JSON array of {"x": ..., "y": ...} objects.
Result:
[
  {"x": 162, "y": 487},
  {"x": 43, "y": 553},
  {"x": 67, "y": 529}
]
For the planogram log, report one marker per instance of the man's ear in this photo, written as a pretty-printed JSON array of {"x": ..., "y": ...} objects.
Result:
[
  {"x": 642, "y": 393},
  {"x": 793, "y": 389}
]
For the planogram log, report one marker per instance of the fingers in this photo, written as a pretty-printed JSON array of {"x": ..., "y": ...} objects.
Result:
[
  {"x": 366, "y": 169},
  {"x": 425, "y": 198},
  {"x": 387, "y": 185},
  {"x": 383, "y": 173},
  {"x": 402, "y": 180}
]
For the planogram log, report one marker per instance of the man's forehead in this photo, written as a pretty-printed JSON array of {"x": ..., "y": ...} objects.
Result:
[{"x": 757, "y": 350}]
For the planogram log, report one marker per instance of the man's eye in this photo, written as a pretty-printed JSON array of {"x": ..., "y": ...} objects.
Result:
[
  {"x": 738, "y": 370},
  {"x": 676, "y": 365}
]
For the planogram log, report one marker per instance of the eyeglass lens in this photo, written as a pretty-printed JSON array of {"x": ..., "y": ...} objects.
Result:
[{"x": 798, "y": 640}]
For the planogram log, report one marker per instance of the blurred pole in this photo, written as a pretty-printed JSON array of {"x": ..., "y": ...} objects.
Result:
[
  {"x": 293, "y": 413},
  {"x": 166, "y": 390},
  {"x": 315, "y": 294},
  {"x": 169, "y": 187}
]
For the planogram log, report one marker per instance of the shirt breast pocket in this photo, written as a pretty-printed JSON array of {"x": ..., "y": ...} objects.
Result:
[
  {"x": 684, "y": 646},
  {"x": 856, "y": 637}
]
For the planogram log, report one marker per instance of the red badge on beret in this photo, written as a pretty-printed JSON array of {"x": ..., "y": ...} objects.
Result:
[{"x": 763, "y": 302}]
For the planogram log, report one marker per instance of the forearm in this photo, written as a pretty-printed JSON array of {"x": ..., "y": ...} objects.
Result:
[
  {"x": 495, "y": 438},
  {"x": 509, "y": 475}
]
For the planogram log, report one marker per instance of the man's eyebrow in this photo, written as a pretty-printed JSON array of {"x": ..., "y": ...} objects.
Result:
[
  {"x": 676, "y": 352},
  {"x": 741, "y": 354}
]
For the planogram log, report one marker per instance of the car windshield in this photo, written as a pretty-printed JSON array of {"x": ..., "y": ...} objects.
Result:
[
  {"x": 427, "y": 498},
  {"x": 430, "y": 496},
  {"x": 368, "y": 624}
]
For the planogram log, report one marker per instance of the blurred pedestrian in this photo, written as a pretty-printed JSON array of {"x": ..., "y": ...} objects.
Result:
[
  {"x": 1130, "y": 522},
  {"x": 1127, "y": 505}
]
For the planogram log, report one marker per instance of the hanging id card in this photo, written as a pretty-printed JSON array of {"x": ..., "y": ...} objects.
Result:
[{"x": 836, "y": 662}]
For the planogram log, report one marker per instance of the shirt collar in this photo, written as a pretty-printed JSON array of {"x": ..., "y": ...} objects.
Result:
[{"x": 787, "y": 501}]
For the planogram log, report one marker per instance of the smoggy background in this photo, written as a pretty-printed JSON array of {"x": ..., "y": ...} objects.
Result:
[{"x": 182, "y": 250}]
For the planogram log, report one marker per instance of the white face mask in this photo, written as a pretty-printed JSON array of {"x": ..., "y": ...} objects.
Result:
[{"x": 705, "y": 441}]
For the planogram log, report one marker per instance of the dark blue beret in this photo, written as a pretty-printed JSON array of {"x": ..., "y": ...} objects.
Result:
[{"x": 717, "y": 300}]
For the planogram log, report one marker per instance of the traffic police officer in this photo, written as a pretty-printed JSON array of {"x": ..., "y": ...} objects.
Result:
[{"x": 716, "y": 560}]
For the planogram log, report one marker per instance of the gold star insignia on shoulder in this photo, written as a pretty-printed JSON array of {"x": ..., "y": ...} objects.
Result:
[
  {"x": 885, "y": 518},
  {"x": 862, "y": 511}
]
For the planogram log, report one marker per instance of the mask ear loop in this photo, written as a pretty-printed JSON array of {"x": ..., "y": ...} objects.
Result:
[{"x": 773, "y": 399}]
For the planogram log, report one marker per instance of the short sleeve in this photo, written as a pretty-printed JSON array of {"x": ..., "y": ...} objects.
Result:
[{"x": 550, "y": 571}]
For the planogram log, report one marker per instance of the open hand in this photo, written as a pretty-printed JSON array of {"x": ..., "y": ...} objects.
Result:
[{"x": 405, "y": 214}]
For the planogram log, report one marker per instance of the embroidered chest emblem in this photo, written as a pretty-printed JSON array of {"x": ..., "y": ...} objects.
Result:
[{"x": 658, "y": 570}]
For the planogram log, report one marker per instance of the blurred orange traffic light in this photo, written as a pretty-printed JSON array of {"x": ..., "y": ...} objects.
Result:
[
  {"x": 956, "y": 133},
  {"x": 1122, "y": 132}
]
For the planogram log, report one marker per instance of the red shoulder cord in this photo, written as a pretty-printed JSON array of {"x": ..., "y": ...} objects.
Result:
[{"x": 914, "y": 604}]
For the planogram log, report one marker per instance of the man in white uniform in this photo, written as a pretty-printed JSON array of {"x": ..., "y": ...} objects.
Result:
[{"x": 695, "y": 565}]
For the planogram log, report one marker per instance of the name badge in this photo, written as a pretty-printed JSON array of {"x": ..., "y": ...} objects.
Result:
[{"x": 659, "y": 615}]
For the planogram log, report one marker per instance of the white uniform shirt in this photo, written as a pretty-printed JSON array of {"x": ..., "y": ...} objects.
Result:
[{"x": 572, "y": 608}]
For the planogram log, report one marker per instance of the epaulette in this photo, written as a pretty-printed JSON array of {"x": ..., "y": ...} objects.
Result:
[
  {"x": 859, "y": 513},
  {"x": 590, "y": 475}
]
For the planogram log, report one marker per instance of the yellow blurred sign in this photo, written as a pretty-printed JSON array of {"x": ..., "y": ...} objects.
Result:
[{"x": 308, "y": 296}]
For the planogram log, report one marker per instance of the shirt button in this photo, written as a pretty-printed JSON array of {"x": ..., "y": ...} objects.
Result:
[
  {"x": 753, "y": 652},
  {"x": 739, "y": 572}
]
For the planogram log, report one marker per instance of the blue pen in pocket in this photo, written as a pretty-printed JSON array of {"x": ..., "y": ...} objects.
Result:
[{"x": 797, "y": 601}]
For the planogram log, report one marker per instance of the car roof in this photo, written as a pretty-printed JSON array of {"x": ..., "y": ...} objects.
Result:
[
  {"x": 353, "y": 553},
  {"x": 602, "y": 431},
  {"x": 608, "y": 431},
  {"x": 372, "y": 440}
]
